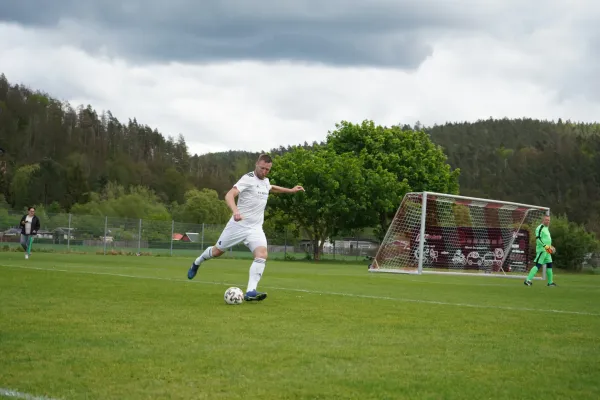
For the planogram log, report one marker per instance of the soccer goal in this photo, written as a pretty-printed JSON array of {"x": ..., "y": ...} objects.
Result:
[{"x": 451, "y": 234}]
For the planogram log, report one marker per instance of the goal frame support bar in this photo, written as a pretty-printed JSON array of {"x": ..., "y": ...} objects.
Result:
[{"x": 419, "y": 271}]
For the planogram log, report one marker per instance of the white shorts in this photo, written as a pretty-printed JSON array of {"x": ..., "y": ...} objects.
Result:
[{"x": 234, "y": 234}]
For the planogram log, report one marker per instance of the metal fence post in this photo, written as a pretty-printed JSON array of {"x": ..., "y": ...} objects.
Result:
[
  {"x": 105, "y": 229},
  {"x": 172, "y": 232},
  {"x": 285, "y": 244},
  {"x": 202, "y": 241},
  {"x": 69, "y": 235},
  {"x": 140, "y": 237}
]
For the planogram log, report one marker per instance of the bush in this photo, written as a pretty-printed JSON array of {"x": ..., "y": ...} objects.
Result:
[{"x": 573, "y": 243}]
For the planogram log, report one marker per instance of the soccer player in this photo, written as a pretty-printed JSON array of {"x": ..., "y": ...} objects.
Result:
[
  {"x": 543, "y": 249},
  {"x": 246, "y": 223}
]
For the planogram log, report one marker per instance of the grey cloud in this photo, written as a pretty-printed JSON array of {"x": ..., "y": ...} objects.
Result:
[{"x": 351, "y": 32}]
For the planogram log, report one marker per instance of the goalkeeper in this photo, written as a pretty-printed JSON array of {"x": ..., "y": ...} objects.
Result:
[{"x": 543, "y": 251}]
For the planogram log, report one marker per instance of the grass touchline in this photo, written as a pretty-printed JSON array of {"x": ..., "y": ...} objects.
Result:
[{"x": 525, "y": 309}]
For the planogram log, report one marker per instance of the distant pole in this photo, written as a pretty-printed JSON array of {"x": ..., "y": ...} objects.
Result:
[
  {"x": 105, "y": 229},
  {"x": 334, "y": 249},
  {"x": 69, "y": 235},
  {"x": 140, "y": 237},
  {"x": 172, "y": 232},
  {"x": 285, "y": 245},
  {"x": 202, "y": 240}
]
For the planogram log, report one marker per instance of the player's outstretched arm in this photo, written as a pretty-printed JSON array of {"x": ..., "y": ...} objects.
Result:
[{"x": 279, "y": 189}]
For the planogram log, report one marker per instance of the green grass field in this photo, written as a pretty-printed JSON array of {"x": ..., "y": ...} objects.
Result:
[{"x": 117, "y": 327}]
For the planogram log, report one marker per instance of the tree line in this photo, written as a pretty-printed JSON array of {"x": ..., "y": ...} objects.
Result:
[
  {"x": 553, "y": 164},
  {"x": 74, "y": 159}
]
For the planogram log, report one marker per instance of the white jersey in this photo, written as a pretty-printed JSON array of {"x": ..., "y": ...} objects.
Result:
[
  {"x": 252, "y": 200},
  {"x": 28, "y": 221}
]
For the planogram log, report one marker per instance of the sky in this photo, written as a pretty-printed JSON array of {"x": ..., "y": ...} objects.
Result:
[{"x": 253, "y": 75}]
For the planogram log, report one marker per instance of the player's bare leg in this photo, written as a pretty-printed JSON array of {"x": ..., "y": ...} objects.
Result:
[
  {"x": 210, "y": 252},
  {"x": 256, "y": 271}
]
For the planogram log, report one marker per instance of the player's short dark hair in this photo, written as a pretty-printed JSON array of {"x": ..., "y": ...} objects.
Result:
[
  {"x": 265, "y": 157},
  {"x": 29, "y": 208}
]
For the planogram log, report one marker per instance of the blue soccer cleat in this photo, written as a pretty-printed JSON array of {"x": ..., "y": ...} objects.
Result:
[
  {"x": 253, "y": 295},
  {"x": 193, "y": 271}
]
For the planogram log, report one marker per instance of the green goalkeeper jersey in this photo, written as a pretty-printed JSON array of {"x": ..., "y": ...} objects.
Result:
[{"x": 542, "y": 238}]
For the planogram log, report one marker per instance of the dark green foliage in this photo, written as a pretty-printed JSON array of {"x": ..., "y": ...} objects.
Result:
[
  {"x": 79, "y": 151},
  {"x": 337, "y": 192},
  {"x": 573, "y": 243},
  {"x": 202, "y": 207},
  {"x": 553, "y": 164},
  {"x": 415, "y": 163},
  {"x": 70, "y": 157}
]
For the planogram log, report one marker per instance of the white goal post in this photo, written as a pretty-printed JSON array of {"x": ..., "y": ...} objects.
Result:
[{"x": 450, "y": 234}]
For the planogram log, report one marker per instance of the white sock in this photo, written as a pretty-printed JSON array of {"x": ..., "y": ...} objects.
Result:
[
  {"x": 256, "y": 271},
  {"x": 207, "y": 255}
]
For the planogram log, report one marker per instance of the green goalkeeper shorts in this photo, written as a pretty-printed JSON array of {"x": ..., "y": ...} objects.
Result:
[{"x": 543, "y": 257}]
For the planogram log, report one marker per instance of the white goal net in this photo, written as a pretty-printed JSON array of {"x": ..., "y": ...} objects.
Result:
[{"x": 443, "y": 233}]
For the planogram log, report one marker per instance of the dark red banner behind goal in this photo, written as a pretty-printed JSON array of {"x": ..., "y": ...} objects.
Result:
[{"x": 465, "y": 248}]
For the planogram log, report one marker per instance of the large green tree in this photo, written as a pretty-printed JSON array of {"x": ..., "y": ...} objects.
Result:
[
  {"x": 21, "y": 185},
  {"x": 115, "y": 200},
  {"x": 338, "y": 193},
  {"x": 202, "y": 206},
  {"x": 416, "y": 163},
  {"x": 573, "y": 243},
  {"x": 280, "y": 228}
]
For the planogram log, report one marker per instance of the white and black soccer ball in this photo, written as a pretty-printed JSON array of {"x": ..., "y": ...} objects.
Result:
[{"x": 234, "y": 295}]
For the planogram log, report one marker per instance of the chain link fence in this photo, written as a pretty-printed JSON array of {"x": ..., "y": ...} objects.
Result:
[{"x": 93, "y": 234}]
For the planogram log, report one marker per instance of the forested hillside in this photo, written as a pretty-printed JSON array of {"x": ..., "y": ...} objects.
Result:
[
  {"x": 555, "y": 164},
  {"x": 56, "y": 152},
  {"x": 61, "y": 155}
]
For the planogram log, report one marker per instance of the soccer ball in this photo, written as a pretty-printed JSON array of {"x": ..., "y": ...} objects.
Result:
[{"x": 234, "y": 295}]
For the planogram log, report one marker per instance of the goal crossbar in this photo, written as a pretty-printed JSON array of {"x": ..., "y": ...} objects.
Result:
[
  {"x": 440, "y": 233},
  {"x": 508, "y": 203}
]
